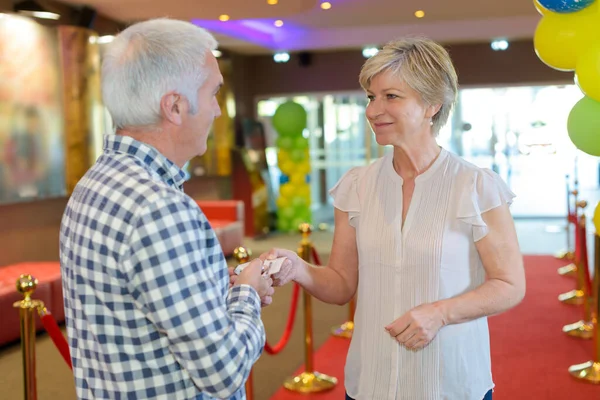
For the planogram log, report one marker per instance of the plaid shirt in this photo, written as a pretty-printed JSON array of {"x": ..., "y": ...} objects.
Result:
[{"x": 146, "y": 288}]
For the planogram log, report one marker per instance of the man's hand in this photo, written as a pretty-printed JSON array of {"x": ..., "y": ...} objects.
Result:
[{"x": 252, "y": 275}]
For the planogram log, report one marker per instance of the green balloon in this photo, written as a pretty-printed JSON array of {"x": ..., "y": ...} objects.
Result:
[
  {"x": 583, "y": 126},
  {"x": 285, "y": 142},
  {"x": 299, "y": 203},
  {"x": 289, "y": 119},
  {"x": 297, "y": 155},
  {"x": 283, "y": 225},
  {"x": 301, "y": 143},
  {"x": 287, "y": 213}
]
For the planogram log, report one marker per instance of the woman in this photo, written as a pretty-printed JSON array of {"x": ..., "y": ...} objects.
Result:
[{"x": 426, "y": 239}]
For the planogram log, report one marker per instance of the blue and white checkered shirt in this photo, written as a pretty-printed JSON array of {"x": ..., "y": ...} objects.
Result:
[{"x": 148, "y": 306}]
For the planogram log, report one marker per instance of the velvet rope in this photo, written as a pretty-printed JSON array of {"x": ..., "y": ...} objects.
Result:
[
  {"x": 56, "y": 335},
  {"x": 315, "y": 256},
  {"x": 581, "y": 247},
  {"x": 289, "y": 325},
  {"x": 572, "y": 218}
]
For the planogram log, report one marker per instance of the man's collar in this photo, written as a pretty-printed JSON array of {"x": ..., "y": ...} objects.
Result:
[{"x": 168, "y": 171}]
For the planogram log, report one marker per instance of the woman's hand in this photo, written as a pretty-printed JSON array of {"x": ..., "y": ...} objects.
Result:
[
  {"x": 417, "y": 328},
  {"x": 289, "y": 268}
]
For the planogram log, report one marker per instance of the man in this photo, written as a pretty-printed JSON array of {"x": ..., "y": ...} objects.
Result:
[{"x": 149, "y": 308}]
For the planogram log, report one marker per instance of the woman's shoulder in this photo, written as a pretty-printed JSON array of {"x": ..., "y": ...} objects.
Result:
[{"x": 467, "y": 171}]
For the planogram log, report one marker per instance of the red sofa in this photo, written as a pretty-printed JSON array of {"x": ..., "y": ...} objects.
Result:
[{"x": 227, "y": 219}]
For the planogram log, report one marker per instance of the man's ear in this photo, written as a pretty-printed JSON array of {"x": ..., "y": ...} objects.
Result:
[{"x": 172, "y": 108}]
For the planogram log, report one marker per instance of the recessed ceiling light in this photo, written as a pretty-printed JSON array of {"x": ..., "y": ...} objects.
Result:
[
  {"x": 419, "y": 13},
  {"x": 279, "y": 23},
  {"x": 499, "y": 44},
  {"x": 224, "y": 17},
  {"x": 281, "y": 57},
  {"x": 325, "y": 5},
  {"x": 272, "y": 2},
  {"x": 217, "y": 53}
]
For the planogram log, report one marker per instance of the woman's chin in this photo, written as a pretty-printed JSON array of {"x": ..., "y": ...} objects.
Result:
[{"x": 383, "y": 140}]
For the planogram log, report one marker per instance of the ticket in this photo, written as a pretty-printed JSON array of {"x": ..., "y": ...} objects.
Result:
[{"x": 270, "y": 267}]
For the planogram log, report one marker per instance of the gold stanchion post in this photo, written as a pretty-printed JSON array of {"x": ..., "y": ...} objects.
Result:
[
  {"x": 309, "y": 381},
  {"x": 26, "y": 284},
  {"x": 570, "y": 269},
  {"x": 590, "y": 370},
  {"x": 347, "y": 328},
  {"x": 242, "y": 255},
  {"x": 576, "y": 296},
  {"x": 582, "y": 329}
]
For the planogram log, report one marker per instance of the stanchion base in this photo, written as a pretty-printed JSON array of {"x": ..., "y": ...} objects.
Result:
[
  {"x": 568, "y": 270},
  {"x": 580, "y": 329},
  {"x": 345, "y": 330},
  {"x": 565, "y": 255},
  {"x": 587, "y": 372},
  {"x": 310, "y": 382},
  {"x": 574, "y": 297}
]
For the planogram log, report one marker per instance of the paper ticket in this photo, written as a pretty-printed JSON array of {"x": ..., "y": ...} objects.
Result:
[{"x": 270, "y": 267}]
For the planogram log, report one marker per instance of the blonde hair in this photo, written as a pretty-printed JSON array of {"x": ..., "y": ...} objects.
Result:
[{"x": 424, "y": 65}]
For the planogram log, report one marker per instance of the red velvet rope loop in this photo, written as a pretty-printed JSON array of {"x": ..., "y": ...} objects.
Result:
[
  {"x": 56, "y": 335},
  {"x": 581, "y": 253},
  {"x": 289, "y": 326},
  {"x": 315, "y": 256}
]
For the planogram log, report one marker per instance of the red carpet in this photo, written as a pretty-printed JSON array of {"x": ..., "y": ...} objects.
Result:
[{"x": 530, "y": 354}]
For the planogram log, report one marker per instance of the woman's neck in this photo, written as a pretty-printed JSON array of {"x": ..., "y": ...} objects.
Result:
[{"x": 412, "y": 159}]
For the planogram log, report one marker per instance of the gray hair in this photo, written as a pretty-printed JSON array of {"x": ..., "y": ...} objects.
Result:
[
  {"x": 148, "y": 60},
  {"x": 424, "y": 65}
]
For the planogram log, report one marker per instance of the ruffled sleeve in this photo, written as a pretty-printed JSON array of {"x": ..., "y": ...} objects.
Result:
[
  {"x": 485, "y": 192},
  {"x": 345, "y": 195}
]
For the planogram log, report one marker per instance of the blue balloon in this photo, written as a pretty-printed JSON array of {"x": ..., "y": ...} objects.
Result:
[
  {"x": 565, "y": 6},
  {"x": 283, "y": 179}
]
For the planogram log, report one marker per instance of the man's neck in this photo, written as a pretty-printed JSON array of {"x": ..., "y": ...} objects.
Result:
[{"x": 157, "y": 138}]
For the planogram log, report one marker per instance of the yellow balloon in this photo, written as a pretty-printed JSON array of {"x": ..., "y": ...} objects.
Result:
[
  {"x": 560, "y": 39},
  {"x": 302, "y": 190},
  {"x": 596, "y": 218},
  {"x": 288, "y": 167},
  {"x": 282, "y": 156},
  {"x": 283, "y": 202},
  {"x": 287, "y": 190},
  {"x": 587, "y": 73},
  {"x": 302, "y": 168},
  {"x": 297, "y": 178}
]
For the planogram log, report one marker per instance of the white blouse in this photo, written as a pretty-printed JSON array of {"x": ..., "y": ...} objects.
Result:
[{"x": 432, "y": 257}]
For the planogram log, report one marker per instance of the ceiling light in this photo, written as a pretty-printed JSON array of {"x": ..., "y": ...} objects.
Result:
[
  {"x": 272, "y": 2},
  {"x": 499, "y": 45},
  {"x": 419, "y": 13},
  {"x": 281, "y": 57},
  {"x": 369, "y": 52},
  {"x": 217, "y": 53},
  {"x": 279, "y": 23},
  {"x": 34, "y": 9},
  {"x": 325, "y": 5},
  {"x": 224, "y": 17}
]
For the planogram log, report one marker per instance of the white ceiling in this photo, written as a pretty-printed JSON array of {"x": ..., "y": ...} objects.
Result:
[{"x": 348, "y": 24}]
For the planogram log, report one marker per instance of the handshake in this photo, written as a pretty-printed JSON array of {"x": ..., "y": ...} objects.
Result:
[
  {"x": 270, "y": 267},
  {"x": 275, "y": 268}
]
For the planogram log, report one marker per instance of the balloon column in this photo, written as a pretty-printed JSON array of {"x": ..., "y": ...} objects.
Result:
[
  {"x": 567, "y": 38},
  {"x": 293, "y": 203}
]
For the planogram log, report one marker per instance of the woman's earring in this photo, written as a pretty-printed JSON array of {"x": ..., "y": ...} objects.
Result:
[{"x": 431, "y": 121}]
